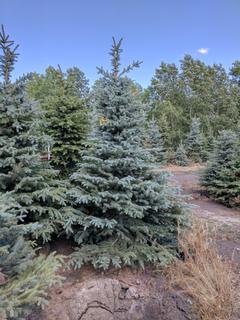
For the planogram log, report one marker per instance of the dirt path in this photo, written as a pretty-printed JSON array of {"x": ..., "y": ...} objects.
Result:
[
  {"x": 226, "y": 220},
  {"x": 206, "y": 208}
]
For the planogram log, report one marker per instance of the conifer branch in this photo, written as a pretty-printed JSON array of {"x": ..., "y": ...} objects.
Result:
[
  {"x": 135, "y": 64},
  {"x": 9, "y": 56},
  {"x": 60, "y": 69},
  {"x": 103, "y": 72},
  {"x": 115, "y": 53}
]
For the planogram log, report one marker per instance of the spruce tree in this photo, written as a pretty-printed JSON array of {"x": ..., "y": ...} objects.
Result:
[
  {"x": 222, "y": 175},
  {"x": 181, "y": 158},
  {"x": 154, "y": 142},
  {"x": 194, "y": 143},
  {"x": 24, "y": 278},
  {"x": 126, "y": 215},
  {"x": 39, "y": 195},
  {"x": 208, "y": 146},
  {"x": 64, "y": 100},
  {"x": 67, "y": 123}
]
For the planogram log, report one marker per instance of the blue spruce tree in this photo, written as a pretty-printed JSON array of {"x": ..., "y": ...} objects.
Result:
[
  {"x": 194, "y": 143},
  {"x": 154, "y": 142},
  {"x": 125, "y": 214},
  {"x": 24, "y": 276},
  {"x": 222, "y": 174},
  {"x": 181, "y": 158},
  {"x": 40, "y": 197}
]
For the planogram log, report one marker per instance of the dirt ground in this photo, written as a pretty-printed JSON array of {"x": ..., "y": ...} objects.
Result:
[
  {"x": 150, "y": 286},
  {"x": 225, "y": 221},
  {"x": 142, "y": 295}
]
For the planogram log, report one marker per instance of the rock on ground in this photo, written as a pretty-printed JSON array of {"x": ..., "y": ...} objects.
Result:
[{"x": 124, "y": 296}]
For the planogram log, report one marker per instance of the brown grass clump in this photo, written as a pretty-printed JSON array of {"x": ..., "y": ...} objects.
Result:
[{"x": 203, "y": 275}]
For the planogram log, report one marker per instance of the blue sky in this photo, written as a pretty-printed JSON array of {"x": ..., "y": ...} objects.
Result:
[{"x": 78, "y": 32}]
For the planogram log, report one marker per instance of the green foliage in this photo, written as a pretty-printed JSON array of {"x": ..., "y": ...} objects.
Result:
[
  {"x": 194, "y": 90},
  {"x": 194, "y": 143},
  {"x": 34, "y": 186},
  {"x": 24, "y": 278},
  {"x": 41, "y": 86},
  {"x": 181, "y": 158},
  {"x": 32, "y": 183},
  {"x": 222, "y": 175},
  {"x": 125, "y": 215},
  {"x": 64, "y": 100},
  {"x": 68, "y": 124},
  {"x": 27, "y": 192},
  {"x": 154, "y": 142},
  {"x": 169, "y": 122},
  {"x": 108, "y": 254},
  {"x": 235, "y": 71},
  {"x": 9, "y": 56}
]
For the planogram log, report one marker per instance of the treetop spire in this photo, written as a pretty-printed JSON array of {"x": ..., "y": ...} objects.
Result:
[
  {"x": 115, "y": 53},
  {"x": 9, "y": 56}
]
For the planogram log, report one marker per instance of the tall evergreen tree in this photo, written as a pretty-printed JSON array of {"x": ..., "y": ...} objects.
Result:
[
  {"x": 24, "y": 278},
  {"x": 126, "y": 214},
  {"x": 33, "y": 184},
  {"x": 154, "y": 142},
  {"x": 194, "y": 143},
  {"x": 64, "y": 98},
  {"x": 222, "y": 175}
]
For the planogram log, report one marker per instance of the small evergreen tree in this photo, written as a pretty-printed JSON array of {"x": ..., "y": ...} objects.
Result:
[
  {"x": 154, "y": 142},
  {"x": 208, "y": 146},
  {"x": 40, "y": 197},
  {"x": 125, "y": 214},
  {"x": 181, "y": 158},
  {"x": 24, "y": 278},
  {"x": 194, "y": 143},
  {"x": 222, "y": 175},
  {"x": 64, "y": 100},
  {"x": 67, "y": 124}
]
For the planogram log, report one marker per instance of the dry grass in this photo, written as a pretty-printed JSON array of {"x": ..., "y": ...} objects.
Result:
[{"x": 203, "y": 275}]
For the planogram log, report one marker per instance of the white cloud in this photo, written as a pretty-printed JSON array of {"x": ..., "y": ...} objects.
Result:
[{"x": 203, "y": 50}]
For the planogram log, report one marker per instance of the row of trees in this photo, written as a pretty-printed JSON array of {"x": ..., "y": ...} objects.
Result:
[
  {"x": 104, "y": 196},
  {"x": 192, "y": 99},
  {"x": 194, "y": 89}
]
